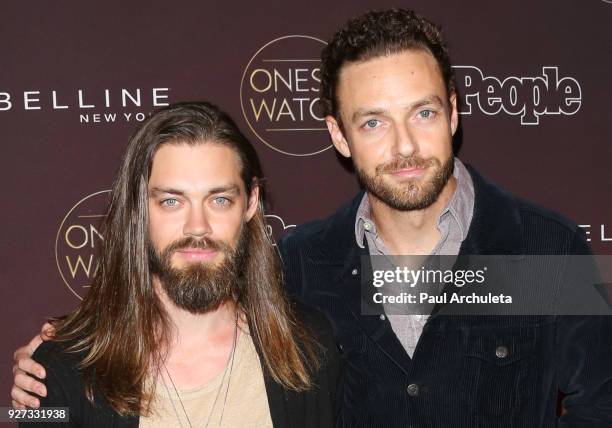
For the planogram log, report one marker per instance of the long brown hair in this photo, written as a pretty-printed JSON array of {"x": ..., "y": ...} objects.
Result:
[{"x": 121, "y": 328}]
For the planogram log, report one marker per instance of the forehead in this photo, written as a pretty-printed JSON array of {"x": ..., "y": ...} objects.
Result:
[
  {"x": 200, "y": 165},
  {"x": 400, "y": 78}
]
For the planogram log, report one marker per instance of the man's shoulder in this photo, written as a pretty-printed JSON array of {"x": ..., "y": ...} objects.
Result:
[
  {"x": 62, "y": 364},
  {"x": 64, "y": 381},
  {"x": 534, "y": 215},
  {"x": 309, "y": 234},
  {"x": 492, "y": 199},
  {"x": 54, "y": 354},
  {"x": 310, "y": 229},
  {"x": 548, "y": 232},
  {"x": 505, "y": 222}
]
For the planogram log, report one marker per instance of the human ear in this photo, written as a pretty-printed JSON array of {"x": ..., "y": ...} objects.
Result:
[{"x": 337, "y": 136}]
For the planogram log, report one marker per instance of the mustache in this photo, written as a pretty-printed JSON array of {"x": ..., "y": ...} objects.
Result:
[
  {"x": 405, "y": 163},
  {"x": 191, "y": 242}
]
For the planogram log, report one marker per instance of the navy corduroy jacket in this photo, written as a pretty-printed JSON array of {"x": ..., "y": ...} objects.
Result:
[{"x": 455, "y": 378}]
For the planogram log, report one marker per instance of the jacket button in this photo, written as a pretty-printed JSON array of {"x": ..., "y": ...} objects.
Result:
[
  {"x": 355, "y": 271},
  {"x": 413, "y": 389},
  {"x": 501, "y": 352},
  {"x": 382, "y": 317}
]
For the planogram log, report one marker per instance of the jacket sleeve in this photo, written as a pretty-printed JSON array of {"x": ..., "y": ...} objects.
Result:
[{"x": 584, "y": 346}]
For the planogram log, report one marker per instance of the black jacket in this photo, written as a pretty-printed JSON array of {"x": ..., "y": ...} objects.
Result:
[
  {"x": 311, "y": 409},
  {"x": 455, "y": 378}
]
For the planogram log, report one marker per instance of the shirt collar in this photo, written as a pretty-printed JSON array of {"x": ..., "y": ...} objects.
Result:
[{"x": 461, "y": 205}]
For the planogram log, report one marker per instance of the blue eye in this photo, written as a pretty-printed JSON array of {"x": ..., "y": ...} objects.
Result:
[
  {"x": 426, "y": 114},
  {"x": 170, "y": 202},
  {"x": 221, "y": 200},
  {"x": 372, "y": 123}
]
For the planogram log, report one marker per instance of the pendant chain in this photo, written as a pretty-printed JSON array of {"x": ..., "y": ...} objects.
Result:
[{"x": 229, "y": 364}]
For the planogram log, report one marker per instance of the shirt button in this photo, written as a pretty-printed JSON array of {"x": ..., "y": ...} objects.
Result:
[
  {"x": 413, "y": 389},
  {"x": 501, "y": 352},
  {"x": 367, "y": 225},
  {"x": 383, "y": 317},
  {"x": 355, "y": 271}
]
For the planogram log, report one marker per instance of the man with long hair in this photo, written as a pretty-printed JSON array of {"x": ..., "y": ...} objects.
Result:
[{"x": 186, "y": 322}]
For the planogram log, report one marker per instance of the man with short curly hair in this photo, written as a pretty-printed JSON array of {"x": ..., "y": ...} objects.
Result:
[
  {"x": 391, "y": 106},
  {"x": 377, "y": 34}
]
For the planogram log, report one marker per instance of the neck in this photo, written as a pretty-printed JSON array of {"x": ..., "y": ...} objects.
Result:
[
  {"x": 199, "y": 343},
  {"x": 412, "y": 232}
]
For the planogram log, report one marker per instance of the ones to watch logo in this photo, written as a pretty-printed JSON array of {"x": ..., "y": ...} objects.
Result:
[
  {"x": 78, "y": 242},
  {"x": 279, "y": 95},
  {"x": 529, "y": 97}
]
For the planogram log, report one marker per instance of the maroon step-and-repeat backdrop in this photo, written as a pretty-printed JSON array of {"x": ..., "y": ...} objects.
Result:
[{"x": 77, "y": 77}]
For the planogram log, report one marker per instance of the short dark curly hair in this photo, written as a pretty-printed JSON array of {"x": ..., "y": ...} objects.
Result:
[{"x": 375, "y": 34}]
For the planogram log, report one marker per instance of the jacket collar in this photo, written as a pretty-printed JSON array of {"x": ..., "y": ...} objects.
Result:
[{"x": 496, "y": 225}]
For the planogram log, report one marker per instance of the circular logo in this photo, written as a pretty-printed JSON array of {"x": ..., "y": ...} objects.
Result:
[
  {"x": 279, "y": 95},
  {"x": 78, "y": 242}
]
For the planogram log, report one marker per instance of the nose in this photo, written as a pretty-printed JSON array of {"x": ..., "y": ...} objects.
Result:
[
  {"x": 197, "y": 224},
  {"x": 405, "y": 144}
]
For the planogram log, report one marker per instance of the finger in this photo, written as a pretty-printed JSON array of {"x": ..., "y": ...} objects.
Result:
[
  {"x": 31, "y": 367},
  {"x": 23, "y": 352},
  {"x": 34, "y": 343},
  {"x": 29, "y": 385},
  {"x": 24, "y": 399},
  {"x": 46, "y": 332}
]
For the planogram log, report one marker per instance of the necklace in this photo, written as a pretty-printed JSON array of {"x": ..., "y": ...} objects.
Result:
[{"x": 229, "y": 364}]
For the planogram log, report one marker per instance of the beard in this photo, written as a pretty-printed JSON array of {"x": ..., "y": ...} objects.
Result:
[
  {"x": 412, "y": 194},
  {"x": 201, "y": 287}
]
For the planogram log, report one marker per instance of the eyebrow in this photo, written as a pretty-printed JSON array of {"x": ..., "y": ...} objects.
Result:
[
  {"x": 432, "y": 99},
  {"x": 231, "y": 188}
]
